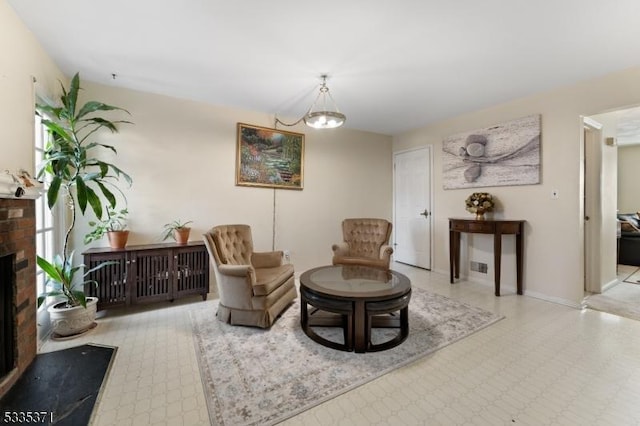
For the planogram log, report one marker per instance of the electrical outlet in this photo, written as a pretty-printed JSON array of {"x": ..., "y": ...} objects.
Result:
[
  {"x": 286, "y": 255},
  {"x": 555, "y": 194}
]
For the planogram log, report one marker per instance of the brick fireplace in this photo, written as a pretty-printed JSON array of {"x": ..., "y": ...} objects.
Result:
[{"x": 17, "y": 249}]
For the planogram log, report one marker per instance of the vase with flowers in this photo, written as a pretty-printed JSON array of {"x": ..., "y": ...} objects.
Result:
[{"x": 479, "y": 203}]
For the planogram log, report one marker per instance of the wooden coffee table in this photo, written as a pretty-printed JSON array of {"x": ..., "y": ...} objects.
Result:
[{"x": 356, "y": 299}]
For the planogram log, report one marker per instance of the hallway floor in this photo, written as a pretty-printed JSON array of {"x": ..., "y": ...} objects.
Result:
[
  {"x": 623, "y": 298},
  {"x": 544, "y": 364},
  {"x": 626, "y": 291}
]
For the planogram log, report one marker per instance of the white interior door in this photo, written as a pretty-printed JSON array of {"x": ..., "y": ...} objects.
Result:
[{"x": 412, "y": 207}]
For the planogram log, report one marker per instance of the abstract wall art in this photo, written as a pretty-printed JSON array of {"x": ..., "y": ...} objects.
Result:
[{"x": 500, "y": 155}]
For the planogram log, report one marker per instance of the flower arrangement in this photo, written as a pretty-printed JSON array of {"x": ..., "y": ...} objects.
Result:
[{"x": 479, "y": 202}]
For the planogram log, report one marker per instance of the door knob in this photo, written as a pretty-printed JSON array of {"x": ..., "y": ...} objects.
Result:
[{"x": 425, "y": 213}]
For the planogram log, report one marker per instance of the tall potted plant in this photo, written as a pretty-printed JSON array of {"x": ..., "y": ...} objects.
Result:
[{"x": 77, "y": 177}]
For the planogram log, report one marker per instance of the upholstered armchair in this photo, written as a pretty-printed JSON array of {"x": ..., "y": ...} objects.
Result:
[
  {"x": 254, "y": 287},
  {"x": 366, "y": 242}
]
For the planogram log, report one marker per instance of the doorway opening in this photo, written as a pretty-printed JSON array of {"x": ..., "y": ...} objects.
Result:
[{"x": 610, "y": 180}]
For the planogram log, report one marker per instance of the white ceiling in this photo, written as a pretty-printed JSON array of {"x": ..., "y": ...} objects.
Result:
[{"x": 393, "y": 66}]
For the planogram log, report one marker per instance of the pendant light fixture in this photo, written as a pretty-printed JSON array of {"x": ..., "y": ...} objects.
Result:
[{"x": 324, "y": 113}]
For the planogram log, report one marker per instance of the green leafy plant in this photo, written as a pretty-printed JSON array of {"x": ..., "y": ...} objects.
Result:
[
  {"x": 115, "y": 221},
  {"x": 173, "y": 226},
  {"x": 76, "y": 174},
  {"x": 60, "y": 274}
]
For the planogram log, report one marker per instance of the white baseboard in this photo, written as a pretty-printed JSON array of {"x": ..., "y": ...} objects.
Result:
[
  {"x": 610, "y": 285},
  {"x": 512, "y": 288},
  {"x": 441, "y": 271},
  {"x": 552, "y": 299}
]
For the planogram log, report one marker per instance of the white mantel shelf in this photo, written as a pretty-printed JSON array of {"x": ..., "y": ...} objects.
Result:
[{"x": 15, "y": 186}]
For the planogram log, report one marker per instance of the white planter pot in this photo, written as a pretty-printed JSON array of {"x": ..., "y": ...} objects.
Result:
[{"x": 70, "y": 321}]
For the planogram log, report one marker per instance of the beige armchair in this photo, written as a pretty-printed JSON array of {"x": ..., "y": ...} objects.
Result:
[
  {"x": 254, "y": 288},
  {"x": 366, "y": 242}
]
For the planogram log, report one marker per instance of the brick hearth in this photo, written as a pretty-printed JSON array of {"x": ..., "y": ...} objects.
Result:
[{"x": 17, "y": 236}]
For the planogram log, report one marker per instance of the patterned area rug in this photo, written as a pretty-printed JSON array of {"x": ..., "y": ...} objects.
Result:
[{"x": 253, "y": 376}]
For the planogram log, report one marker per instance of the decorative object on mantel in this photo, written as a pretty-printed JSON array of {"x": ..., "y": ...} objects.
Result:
[
  {"x": 479, "y": 203},
  {"x": 269, "y": 158},
  {"x": 20, "y": 185},
  {"x": 76, "y": 175},
  {"x": 323, "y": 113},
  {"x": 500, "y": 155}
]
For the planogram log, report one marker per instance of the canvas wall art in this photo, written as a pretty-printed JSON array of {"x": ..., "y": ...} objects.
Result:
[
  {"x": 269, "y": 158},
  {"x": 500, "y": 155}
]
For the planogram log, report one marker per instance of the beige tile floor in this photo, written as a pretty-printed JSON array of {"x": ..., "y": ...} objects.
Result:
[{"x": 544, "y": 364}]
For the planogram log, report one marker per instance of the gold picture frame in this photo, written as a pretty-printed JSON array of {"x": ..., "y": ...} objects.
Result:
[{"x": 269, "y": 158}]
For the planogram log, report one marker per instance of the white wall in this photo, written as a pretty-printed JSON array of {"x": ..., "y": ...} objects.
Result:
[
  {"x": 628, "y": 178},
  {"x": 554, "y": 230},
  {"x": 182, "y": 157},
  {"x": 21, "y": 60}
]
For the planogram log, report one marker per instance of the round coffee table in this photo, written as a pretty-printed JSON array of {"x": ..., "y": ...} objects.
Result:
[{"x": 356, "y": 299}]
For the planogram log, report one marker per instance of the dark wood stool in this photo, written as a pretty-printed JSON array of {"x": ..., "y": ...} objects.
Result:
[{"x": 381, "y": 315}]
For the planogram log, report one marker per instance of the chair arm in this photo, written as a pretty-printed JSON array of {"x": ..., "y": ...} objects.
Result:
[
  {"x": 267, "y": 259},
  {"x": 238, "y": 271},
  {"x": 235, "y": 285},
  {"x": 385, "y": 252},
  {"x": 340, "y": 249}
]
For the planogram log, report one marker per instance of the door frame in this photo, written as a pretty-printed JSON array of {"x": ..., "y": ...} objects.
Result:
[
  {"x": 591, "y": 135},
  {"x": 429, "y": 148}
]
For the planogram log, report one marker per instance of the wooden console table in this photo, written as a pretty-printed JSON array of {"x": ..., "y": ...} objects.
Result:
[{"x": 495, "y": 227}]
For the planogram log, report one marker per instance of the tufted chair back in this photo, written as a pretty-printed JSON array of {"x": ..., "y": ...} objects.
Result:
[
  {"x": 366, "y": 236},
  {"x": 232, "y": 244}
]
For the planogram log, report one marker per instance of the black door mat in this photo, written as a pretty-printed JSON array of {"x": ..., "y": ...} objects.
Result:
[{"x": 59, "y": 388}]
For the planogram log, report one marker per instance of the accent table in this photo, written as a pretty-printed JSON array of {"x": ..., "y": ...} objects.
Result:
[
  {"x": 495, "y": 227},
  {"x": 355, "y": 299}
]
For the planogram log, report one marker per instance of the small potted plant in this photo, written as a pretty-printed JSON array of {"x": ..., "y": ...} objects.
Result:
[
  {"x": 177, "y": 230},
  {"x": 114, "y": 226}
]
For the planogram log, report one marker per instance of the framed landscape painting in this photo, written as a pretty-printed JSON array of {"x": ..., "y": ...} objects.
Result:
[
  {"x": 269, "y": 158},
  {"x": 500, "y": 155}
]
